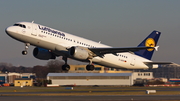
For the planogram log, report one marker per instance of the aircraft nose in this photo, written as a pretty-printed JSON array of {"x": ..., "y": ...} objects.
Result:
[{"x": 9, "y": 30}]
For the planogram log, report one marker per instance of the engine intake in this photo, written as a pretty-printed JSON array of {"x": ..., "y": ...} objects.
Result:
[{"x": 43, "y": 54}]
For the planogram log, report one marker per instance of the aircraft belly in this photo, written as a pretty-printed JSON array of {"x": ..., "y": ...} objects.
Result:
[
  {"x": 112, "y": 61},
  {"x": 116, "y": 62}
]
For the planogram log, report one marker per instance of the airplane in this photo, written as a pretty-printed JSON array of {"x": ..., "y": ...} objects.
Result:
[{"x": 51, "y": 43}]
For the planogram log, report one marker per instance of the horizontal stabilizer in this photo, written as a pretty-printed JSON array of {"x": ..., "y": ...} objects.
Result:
[{"x": 159, "y": 63}]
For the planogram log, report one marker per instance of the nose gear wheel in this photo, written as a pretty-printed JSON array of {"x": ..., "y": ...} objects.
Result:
[{"x": 24, "y": 52}]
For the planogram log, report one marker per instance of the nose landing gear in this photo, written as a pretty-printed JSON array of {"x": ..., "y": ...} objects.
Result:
[{"x": 24, "y": 52}]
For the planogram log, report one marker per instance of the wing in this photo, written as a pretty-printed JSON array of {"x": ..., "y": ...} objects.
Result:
[{"x": 102, "y": 51}]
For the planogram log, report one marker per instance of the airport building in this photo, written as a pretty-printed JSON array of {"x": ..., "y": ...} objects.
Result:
[
  {"x": 83, "y": 68},
  {"x": 100, "y": 79},
  {"x": 9, "y": 78},
  {"x": 165, "y": 71},
  {"x": 23, "y": 82},
  {"x": 3, "y": 78}
]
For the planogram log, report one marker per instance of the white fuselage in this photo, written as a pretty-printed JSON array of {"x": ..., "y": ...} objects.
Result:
[{"x": 51, "y": 39}]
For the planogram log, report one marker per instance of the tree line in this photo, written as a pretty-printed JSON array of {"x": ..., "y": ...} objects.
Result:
[{"x": 53, "y": 66}]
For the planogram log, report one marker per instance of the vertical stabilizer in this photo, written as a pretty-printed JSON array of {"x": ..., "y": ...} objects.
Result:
[{"x": 150, "y": 41}]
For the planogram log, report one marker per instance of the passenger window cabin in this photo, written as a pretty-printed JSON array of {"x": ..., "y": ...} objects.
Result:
[{"x": 59, "y": 36}]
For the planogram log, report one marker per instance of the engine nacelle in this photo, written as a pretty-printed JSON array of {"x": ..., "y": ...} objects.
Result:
[
  {"x": 79, "y": 53},
  {"x": 43, "y": 54}
]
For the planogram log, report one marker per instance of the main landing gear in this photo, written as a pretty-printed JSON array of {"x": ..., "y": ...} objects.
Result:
[
  {"x": 66, "y": 67},
  {"x": 24, "y": 52},
  {"x": 90, "y": 67}
]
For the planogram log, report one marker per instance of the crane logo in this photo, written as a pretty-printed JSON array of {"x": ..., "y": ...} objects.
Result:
[{"x": 150, "y": 43}]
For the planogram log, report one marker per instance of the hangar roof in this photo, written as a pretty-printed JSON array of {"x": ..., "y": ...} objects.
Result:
[{"x": 89, "y": 74}]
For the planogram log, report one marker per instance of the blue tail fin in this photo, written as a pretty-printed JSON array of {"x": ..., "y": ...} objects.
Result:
[{"x": 150, "y": 41}]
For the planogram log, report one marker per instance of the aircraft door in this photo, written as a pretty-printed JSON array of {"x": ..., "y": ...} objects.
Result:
[
  {"x": 133, "y": 60},
  {"x": 34, "y": 29}
]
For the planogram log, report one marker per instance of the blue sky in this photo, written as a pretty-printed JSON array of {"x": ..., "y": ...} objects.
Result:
[{"x": 118, "y": 23}]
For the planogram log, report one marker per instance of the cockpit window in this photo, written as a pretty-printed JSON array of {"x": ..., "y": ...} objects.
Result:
[{"x": 20, "y": 25}]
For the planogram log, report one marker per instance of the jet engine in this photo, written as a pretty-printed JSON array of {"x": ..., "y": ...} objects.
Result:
[
  {"x": 81, "y": 53},
  {"x": 43, "y": 54}
]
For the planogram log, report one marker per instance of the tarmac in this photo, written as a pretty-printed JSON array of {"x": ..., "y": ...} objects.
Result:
[
  {"x": 83, "y": 94},
  {"x": 93, "y": 98}
]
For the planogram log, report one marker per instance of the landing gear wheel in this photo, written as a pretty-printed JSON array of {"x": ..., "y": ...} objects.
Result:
[
  {"x": 24, "y": 52},
  {"x": 90, "y": 67},
  {"x": 66, "y": 67}
]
